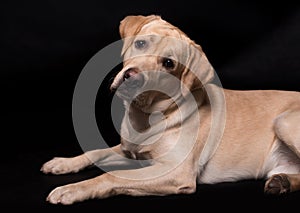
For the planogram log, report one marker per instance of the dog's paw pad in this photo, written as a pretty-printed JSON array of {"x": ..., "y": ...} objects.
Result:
[{"x": 277, "y": 184}]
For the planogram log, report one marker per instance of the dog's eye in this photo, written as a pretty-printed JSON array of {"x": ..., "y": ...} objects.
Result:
[
  {"x": 168, "y": 63},
  {"x": 140, "y": 44}
]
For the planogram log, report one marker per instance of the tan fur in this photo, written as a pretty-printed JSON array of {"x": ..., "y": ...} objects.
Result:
[{"x": 261, "y": 138}]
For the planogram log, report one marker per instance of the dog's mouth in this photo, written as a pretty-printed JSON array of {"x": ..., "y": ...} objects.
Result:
[{"x": 147, "y": 90}]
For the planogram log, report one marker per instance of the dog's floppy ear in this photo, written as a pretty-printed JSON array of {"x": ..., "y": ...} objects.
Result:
[
  {"x": 131, "y": 25},
  {"x": 198, "y": 70}
]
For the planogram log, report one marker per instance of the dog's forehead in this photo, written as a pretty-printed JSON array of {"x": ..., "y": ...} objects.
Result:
[
  {"x": 160, "y": 28},
  {"x": 162, "y": 39}
]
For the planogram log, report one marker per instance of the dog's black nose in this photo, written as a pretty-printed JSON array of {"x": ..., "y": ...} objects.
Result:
[{"x": 133, "y": 78}]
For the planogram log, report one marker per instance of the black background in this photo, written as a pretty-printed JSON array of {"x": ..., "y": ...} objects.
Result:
[{"x": 45, "y": 45}]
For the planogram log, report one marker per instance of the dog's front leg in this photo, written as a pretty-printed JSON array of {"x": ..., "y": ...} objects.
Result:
[
  {"x": 101, "y": 157},
  {"x": 152, "y": 180}
]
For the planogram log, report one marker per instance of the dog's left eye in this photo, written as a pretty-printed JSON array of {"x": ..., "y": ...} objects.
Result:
[
  {"x": 168, "y": 63},
  {"x": 140, "y": 44}
]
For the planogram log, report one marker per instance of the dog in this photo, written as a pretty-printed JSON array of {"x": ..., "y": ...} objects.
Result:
[{"x": 188, "y": 131}]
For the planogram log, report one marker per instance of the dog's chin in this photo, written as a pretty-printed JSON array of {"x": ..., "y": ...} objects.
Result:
[{"x": 141, "y": 102}]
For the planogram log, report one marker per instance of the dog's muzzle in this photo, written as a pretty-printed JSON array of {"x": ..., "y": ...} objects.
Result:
[
  {"x": 129, "y": 84},
  {"x": 132, "y": 79}
]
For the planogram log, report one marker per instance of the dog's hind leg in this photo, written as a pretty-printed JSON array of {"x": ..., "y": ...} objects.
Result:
[{"x": 287, "y": 129}]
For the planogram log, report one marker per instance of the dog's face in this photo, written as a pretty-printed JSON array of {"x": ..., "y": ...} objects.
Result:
[{"x": 158, "y": 59}]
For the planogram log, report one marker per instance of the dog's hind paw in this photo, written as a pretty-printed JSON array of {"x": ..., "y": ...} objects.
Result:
[{"x": 277, "y": 184}]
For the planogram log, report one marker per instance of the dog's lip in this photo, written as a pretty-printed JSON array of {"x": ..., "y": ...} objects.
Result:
[
  {"x": 110, "y": 85},
  {"x": 119, "y": 87},
  {"x": 114, "y": 86},
  {"x": 124, "y": 94},
  {"x": 121, "y": 90}
]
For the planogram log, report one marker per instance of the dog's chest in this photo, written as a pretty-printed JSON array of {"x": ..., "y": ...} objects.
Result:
[
  {"x": 137, "y": 152},
  {"x": 152, "y": 148}
]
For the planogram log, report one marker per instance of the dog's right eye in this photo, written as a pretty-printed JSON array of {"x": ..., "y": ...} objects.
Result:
[
  {"x": 168, "y": 63},
  {"x": 140, "y": 44}
]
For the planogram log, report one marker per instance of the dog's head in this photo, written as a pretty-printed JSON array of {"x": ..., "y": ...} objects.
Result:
[{"x": 160, "y": 63}]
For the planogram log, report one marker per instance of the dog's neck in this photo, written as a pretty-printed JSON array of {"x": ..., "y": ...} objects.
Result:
[{"x": 138, "y": 118}]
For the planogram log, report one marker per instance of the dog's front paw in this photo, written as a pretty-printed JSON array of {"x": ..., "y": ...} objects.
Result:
[
  {"x": 66, "y": 195},
  {"x": 277, "y": 184},
  {"x": 59, "y": 166}
]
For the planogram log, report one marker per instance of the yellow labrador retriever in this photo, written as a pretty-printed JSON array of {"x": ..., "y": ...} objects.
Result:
[{"x": 189, "y": 132}]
